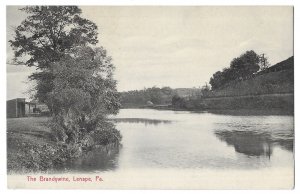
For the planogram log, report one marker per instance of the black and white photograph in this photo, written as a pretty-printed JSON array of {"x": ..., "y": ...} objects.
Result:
[{"x": 150, "y": 97}]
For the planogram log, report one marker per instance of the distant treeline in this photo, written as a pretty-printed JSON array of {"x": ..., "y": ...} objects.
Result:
[
  {"x": 248, "y": 83},
  {"x": 155, "y": 96}
]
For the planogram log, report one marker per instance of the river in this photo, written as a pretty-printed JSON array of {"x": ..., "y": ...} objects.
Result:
[{"x": 200, "y": 148}]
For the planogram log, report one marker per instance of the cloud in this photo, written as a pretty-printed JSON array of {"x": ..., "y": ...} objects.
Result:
[{"x": 184, "y": 46}]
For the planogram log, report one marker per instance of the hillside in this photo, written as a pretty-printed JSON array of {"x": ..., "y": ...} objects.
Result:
[
  {"x": 277, "y": 79},
  {"x": 272, "y": 88}
]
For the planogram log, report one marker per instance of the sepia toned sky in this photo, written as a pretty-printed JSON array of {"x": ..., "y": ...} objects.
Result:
[{"x": 175, "y": 46}]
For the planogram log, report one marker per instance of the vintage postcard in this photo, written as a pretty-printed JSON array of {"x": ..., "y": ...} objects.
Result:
[{"x": 150, "y": 97}]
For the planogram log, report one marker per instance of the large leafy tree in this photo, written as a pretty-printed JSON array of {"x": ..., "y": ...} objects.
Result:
[
  {"x": 74, "y": 78},
  {"x": 241, "y": 67},
  {"x": 245, "y": 65},
  {"x": 84, "y": 93},
  {"x": 47, "y": 35},
  {"x": 217, "y": 80}
]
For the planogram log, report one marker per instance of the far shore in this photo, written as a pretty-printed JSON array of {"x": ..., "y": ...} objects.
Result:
[{"x": 272, "y": 111}]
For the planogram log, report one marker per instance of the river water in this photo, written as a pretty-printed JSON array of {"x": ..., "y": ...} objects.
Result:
[{"x": 159, "y": 141}]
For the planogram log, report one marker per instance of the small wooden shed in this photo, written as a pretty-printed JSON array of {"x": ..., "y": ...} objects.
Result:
[{"x": 19, "y": 108}]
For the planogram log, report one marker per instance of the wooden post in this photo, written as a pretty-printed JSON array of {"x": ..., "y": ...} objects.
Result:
[{"x": 16, "y": 108}]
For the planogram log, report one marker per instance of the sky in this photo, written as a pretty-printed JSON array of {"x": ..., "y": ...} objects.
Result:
[{"x": 180, "y": 47}]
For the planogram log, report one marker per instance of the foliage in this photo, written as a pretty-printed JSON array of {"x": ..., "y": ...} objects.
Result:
[
  {"x": 241, "y": 67},
  {"x": 84, "y": 93},
  {"x": 178, "y": 102},
  {"x": 204, "y": 90},
  {"x": 32, "y": 145},
  {"x": 264, "y": 63},
  {"x": 246, "y": 64},
  {"x": 141, "y": 97},
  {"x": 35, "y": 157},
  {"x": 74, "y": 79},
  {"x": 46, "y": 36},
  {"x": 267, "y": 83}
]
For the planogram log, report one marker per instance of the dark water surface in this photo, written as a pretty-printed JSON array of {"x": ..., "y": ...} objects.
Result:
[{"x": 187, "y": 140}]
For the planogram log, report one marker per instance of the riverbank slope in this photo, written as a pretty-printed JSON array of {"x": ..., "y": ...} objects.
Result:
[
  {"x": 32, "y": 146},
  {"x": 272, "y": 88}
]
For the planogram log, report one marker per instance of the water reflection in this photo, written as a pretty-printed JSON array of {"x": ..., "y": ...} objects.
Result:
[
  {"x": 247, "y": 142},
  {"x": 141, "y": 120},
  {"x": 95, "y": 160},
  {"x": 253, "y": 143},
  {"x": 185, "y": 140}
]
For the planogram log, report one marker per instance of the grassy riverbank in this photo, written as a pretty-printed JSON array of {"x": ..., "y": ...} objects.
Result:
[{"x": 32, "y": 147}]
